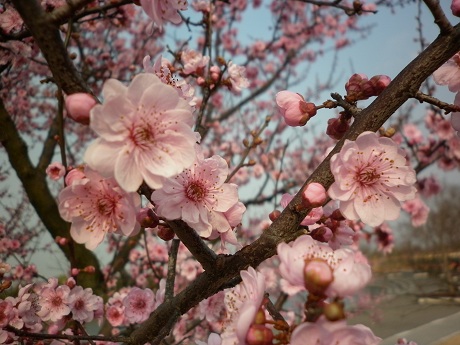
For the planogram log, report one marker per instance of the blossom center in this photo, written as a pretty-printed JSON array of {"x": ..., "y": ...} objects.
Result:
[
  {"x": 195, "y": 191},
  {"x": 142, "y": 136},
  {"x": 105, "y": 206},
  {"x": 79, "y": 305},
  {"x": 139, "y": 304},
  {"x": 367, "y": 176},
  {"x": 56, "y": 301}
]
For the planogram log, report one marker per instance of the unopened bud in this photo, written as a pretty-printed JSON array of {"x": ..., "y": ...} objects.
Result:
[
  {"x": 147, "y": 218},
  {"x": 334, "y": 311},
  {"x": 166, "y": 234},
  {"x": 259, "y": 335},
  {"x": 322, "y": 234},
  {"x": 314, "y": 195},
  {"x": 78, "y": 107},
  {"x": 274, "y": 214},
  {"x": 318, "y": 276}
]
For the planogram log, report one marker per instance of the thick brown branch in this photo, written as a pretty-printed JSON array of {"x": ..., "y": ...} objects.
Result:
[
  {"x": 439, "y": 17},
  {"x": 34, "y": 182},
  {"x": 200, "y": 250},
  {"x": 285, "y": 228},
  {"x": 48, "y": 38}
]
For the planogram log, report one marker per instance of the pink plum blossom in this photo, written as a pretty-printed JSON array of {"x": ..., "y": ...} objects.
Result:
[
  {"x": 55, "y": 171},
  {"x": 78, "y": 107},
  {"x": 325, "y": 332},
  {"x": 96, "y": 206},
  {"x": 199, "y": 196},
  {"x": 371, "y": 179},
  {"x": 54, "y": 302},
  {"x": 449, "y": 73},
  {"x": 83, "y": 304},
  {"x": 350, "y": 271},
  {"x": 237, "y": 78},
  {"x": 418, "y": 211},
  {"x": 144, "y": 133},
  {"x": 138, "y": 304},
  {"x": 161, "y": 11},
  {"x": 294, "y": 109},
  {"x": 243, "y": 303},
  {"x": 194, "y": 62}
]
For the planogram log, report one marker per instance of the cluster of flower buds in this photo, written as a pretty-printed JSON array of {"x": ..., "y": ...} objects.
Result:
[{"x": 359, "y": 87}]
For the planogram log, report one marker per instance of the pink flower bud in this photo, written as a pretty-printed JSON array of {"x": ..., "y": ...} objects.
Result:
[
  {"x": 334, "y": 311},
  {"x": 166, "y": 234},
  {"x": 314, "y": 195},
  {"x": 336, "y": 128},
  {"x": 455, "y": 7},
  {"x": 322, "y": 234},
  {"x": 318, "y": 276},
  {"x": 274, "y": 214},
  {"x": 355, "y": 86},
  {"x": 74, "y": 175},
  {"x": 78, "y": 107},
  {"x": 294, "y": 109},
  {"x": 379, "y": 83},
  {"x": 71, "y": 283},
  {"x": 147, "y": 218},
  {"x": 259, "y": 335},
  {"x": 55, "y": 171},
  {"x": 74, "y": 271}
]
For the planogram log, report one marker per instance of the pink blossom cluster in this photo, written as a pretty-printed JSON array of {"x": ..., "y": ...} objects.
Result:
[
  {"x": 359, "y": 87},
  {"x": 49, "y": 303}
]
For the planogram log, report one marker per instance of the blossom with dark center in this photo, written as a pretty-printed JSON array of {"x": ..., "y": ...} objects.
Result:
[
  {"x": 96, "y": 206},
  {"x": 199, "y": 196}
]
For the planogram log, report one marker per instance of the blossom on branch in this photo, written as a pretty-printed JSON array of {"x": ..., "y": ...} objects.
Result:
[
  {"x": 372, "y": 177},
  {"x": 242, "y": 304},
  {"x": 199, "y": 196},
  {"x": 96, "y": 206},
  {"x": 145, "y": 133},
  {"x": 349, "y": 269},
  {"x": 449, "y": 73}
]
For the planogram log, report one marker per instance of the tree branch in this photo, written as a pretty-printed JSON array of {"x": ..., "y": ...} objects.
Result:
[
  {"x": 36, "y": 187},
  {"x": 285, "y": 227},
  {"x": 47, "y": 36}
]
